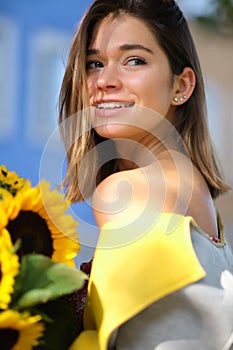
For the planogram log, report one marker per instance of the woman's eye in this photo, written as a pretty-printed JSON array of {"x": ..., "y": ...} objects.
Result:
[
  {"x": 94, "y": 64},
  {"x": 135, "y": 61}
]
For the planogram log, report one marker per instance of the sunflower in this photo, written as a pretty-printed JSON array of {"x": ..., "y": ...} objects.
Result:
[
  {"x": 9, "y": 268},
  {"x": 36, "y": 216},
  {"x": 19, "y": 331},
  {"x": 10, "y": 181}
]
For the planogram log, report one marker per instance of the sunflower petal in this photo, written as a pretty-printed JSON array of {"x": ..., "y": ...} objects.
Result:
[
  {"x": 29, "y": 328},
  {"x": 51, "y": 207},
  {"x": 9, "y": 268}
]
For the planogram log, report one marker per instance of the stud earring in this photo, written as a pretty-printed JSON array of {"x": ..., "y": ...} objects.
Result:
[{"x": 181, "y": 99}]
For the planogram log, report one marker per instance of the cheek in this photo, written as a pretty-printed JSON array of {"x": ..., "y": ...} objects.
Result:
[
  {"x": 158, "y": 93},
  {"x": 91, "y": 86},
  {"x": 151, "y": 84}
]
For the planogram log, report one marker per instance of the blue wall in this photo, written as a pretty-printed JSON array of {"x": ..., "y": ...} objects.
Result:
[
  {"x": 30, "y": 18},
  {"x": 22, "y": 22}
]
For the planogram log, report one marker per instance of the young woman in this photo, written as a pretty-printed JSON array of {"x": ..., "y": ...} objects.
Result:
[{"x": 133, "y": 119}]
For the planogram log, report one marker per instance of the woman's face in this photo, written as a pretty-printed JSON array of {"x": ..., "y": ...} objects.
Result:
[{"x": 127, "y": 71}]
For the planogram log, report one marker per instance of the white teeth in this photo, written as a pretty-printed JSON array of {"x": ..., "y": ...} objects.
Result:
[{"x": 111, "y": 105}]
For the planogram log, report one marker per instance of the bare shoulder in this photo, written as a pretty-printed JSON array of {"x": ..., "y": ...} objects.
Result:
[
  {"x": 123, "y": 197},
  {"x": 202, "y": 207},
  {"x": 171, "y": 184},
  {"x": 188, "y": 186},
  {"x": 129, "y": 195}
]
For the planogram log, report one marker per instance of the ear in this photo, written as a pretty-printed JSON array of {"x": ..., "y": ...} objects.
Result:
[{"x": 183, "y": 86}]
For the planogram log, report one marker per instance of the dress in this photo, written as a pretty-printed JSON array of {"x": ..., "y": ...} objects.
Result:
[{"x": 170, "y": 289}]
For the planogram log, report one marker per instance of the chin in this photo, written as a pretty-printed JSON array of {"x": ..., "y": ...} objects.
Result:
[{"x": 117, "y": 130}]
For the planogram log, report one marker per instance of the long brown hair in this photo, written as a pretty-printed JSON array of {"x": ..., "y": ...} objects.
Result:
[{"x": 170, "y": 28}]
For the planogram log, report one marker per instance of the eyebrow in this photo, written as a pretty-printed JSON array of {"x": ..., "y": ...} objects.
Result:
[{"x": 125, "y": 47}]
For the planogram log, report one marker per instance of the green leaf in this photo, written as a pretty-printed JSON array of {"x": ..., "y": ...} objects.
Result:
[
  {"x": 40, "y": 279},
  {"x": 62, "y": 331}
]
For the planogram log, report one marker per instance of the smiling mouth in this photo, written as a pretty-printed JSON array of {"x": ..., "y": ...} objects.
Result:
[{"x": 114, "y": 105}]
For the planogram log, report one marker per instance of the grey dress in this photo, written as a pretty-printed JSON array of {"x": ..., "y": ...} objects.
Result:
[{"x": 198, "y": 316}]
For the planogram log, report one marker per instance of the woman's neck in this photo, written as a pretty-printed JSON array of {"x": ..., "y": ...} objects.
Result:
[{"x": 134, "y": 154}]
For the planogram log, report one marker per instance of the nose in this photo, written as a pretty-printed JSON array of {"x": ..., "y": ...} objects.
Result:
[{"x": 109, "y": 79}]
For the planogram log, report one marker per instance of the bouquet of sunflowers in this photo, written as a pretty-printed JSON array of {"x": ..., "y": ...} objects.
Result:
[{"x": 38, "y": 243}]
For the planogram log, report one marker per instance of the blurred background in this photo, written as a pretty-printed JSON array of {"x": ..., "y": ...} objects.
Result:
[{"x": 35, "y": 37}]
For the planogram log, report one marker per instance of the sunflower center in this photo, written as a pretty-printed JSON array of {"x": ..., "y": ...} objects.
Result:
[
  {"x": 8, "y": 338},
  {"x": 33, "y": 232}
]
